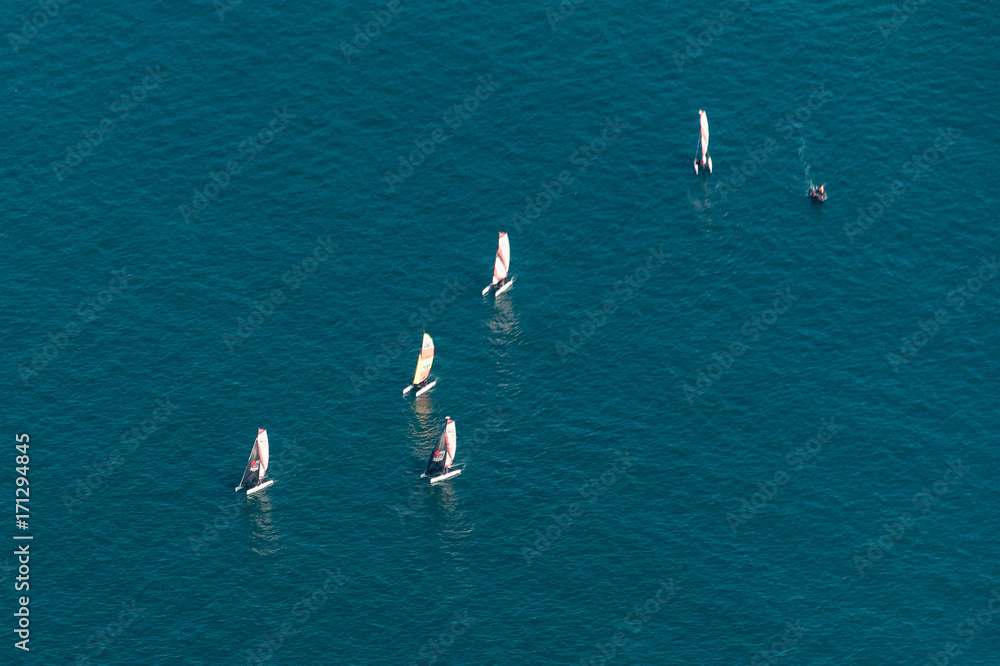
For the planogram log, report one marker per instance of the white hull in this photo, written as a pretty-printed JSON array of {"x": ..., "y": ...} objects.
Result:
[
  {"x": 257, "y": 489},
  {"x": 444, "y": 477},
  {"x": 421, "y": 391},
  {"x": 709, "y": 166},
  {"x": 499, "y": 291}
]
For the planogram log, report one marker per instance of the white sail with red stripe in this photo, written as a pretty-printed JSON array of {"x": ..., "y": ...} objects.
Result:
[
  {"x": 704, "y": 135},
  {"x": 449, "y": 434},
  {"x": 502, "y": 263},
  {"x": 501, "y": 266}
]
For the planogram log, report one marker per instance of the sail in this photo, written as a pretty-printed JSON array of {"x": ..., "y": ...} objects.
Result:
[
  {"x": 425, "y": 360},
  {"x": 704, "y": 134},
  {"x": 503, "y": 258},
  {"x": 257, "y": 465},
  {"x": 449, "y": 435},
  {"x": 436, "y": 464},
  {"x": 264, "y": 450},
  {"x": 251, "y": 476}
]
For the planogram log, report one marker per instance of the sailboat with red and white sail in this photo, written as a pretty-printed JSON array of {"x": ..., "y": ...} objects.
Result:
[
  {"x": 421, "y": 381},
  {"x": 439, "y": 467},
  {"x": 253, "y": 477},
  {"x": 705, "y": 160},
  {"x": 501, "y": 267}
]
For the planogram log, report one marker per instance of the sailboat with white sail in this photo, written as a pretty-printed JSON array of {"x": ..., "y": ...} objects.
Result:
[
  {"x": 421, "y": 380},
  {"x": 253, "y": 477},
  {"x": 705, "y": 160},
  {"x": 501, "y": 281},
  {"x": 439, "y": 467}
]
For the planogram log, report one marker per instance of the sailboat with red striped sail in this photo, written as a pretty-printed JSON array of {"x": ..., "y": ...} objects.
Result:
[
  {"x": 253, "y": 477},
  {"x": 421, "y": 377},
  {"x": 440, "y": 466},
  {"x": 501, "y": 267},
  {"x": 706, "y": 159}
]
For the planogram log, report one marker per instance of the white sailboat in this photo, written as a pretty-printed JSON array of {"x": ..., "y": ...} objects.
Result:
[
  {"x": 501, "y": 267},
  {"x": 424, "y": 362},
  {"x": 253, "y": 477},
  {"x": 706, "y": 159},
  {"x": 439, "y": 467}
]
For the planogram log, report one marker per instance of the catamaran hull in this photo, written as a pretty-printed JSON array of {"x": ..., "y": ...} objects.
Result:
[
  {"x": 257, "y": 489},
  {"x": 697, "y": 170},
  {"x": 506, "y": 285},
  {"x": 425, "y": 389},
  {"x": 444, "y": 477}
]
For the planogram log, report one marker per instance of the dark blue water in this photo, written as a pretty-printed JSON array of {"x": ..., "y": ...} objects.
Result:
[{"x": 711, "y": 423}]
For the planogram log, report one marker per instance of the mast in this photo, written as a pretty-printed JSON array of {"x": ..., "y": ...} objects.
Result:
[
  {"x": 502, "y": 262},
  {"x": 425, "y": 360}
]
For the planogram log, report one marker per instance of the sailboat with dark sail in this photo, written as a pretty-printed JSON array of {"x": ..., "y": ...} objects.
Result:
[
  {"x": 424, "y": 363},
  {"x": 253, "y": 477},
  {"x": 439, "y": 467}
]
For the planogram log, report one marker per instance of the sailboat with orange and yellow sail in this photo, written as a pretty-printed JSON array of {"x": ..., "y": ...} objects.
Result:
[{"x": 421, "y": 381}]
